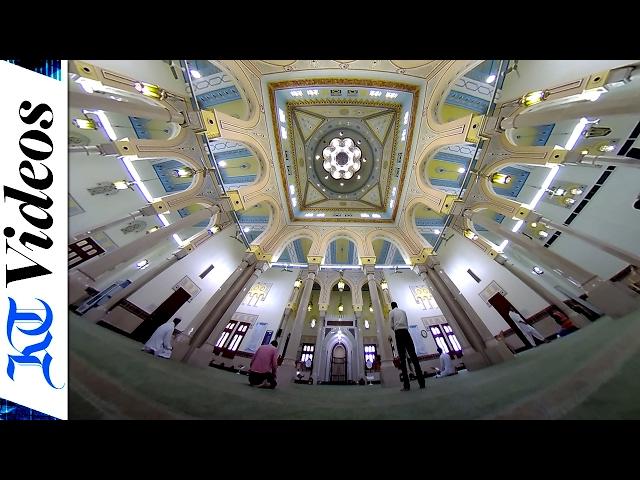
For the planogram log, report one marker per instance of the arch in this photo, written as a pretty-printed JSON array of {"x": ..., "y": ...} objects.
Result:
[
  {"x": 408, "y": 225},
  {"x": 290, "y": 234},
  {"x": 334, "y": 337},
  {"x": 354, "y": 235},
  {"x": 469, "y": 80},
  {"x": 275, "y": 225},
  {"x": 237, "y": 163},
  {"x": 215, "y": 73},
  {"x": 445, "y": 170},
  {"x": 347, "y": 254},
  {"x": 391, "y": 237}
]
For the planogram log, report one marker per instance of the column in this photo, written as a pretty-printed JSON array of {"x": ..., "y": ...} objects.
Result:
[
  {"x": 389, "y": 374},
  {"x": 287, "y": 371},
  {"x": 575, "y": 317},
  {"x": 317, "y": 351},
  {"x": 421, "y": 270},
  {"x": 222, "y": 322},
  {"x": 88, "y": 272},
  {"x": 125, "y": 107},
  {"x": 600, "y": 160},
  {"x": 613, "y": 299},
  {"x": 569, "y": 270},
  {"x": 286, "y": 322},
  {"x": 99, "y": 313},
  {"x": 553, "y": 113},
  {"x": 103, "y": 226},
  {"x": 360, "y": 346},
  {"x": 207, "y": 318},
  {"x": 620, "y": 253},
  {"x": 477, "y": 356}
]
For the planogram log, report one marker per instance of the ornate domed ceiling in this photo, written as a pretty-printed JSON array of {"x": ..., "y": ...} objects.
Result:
[{"x": 342, "y": 145}]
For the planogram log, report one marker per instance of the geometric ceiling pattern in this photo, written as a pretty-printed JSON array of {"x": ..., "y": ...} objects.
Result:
[{"x": 376, "y": 116}]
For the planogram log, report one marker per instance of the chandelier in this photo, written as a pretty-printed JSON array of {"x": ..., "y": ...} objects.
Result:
[{"x": 342, "y": 158}]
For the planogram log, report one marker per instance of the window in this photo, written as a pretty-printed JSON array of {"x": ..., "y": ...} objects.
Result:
[
  {"x": 446, "y": 339},
  {"x": 307, "y": 352},
  {"x": 369, "y": 355},
  {"x": 237, "y": 337},
  {"x": 439, "y": 338},
  {"x": 224, "y": 336},
  {"x": 453, "y": 341}
]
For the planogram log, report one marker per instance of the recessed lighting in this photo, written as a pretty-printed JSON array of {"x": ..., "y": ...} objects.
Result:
[
  {"x": 341, "y": 184},
  {"x": 491, "y": 78},
  {"x": 436, "y": 231},
  {"x": 358, "y": 142},
  {"x": 341, "y": 133},
  {"x": 196, "y": 74},
  {"x": 246, "y": 229},
  {"x": 358, "y": 177},
  {"x": 326, "y": 177},
  {"x": 222, "y": 163},
  {"x": 364, "y": 160},
  {"x": 461, "y": 170},
  {"x": 317, "y": 157},
  {"x": 323, "y": 190}
]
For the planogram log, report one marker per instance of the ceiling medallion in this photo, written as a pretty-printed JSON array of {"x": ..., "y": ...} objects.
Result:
[{"x": 342, "y": 158}]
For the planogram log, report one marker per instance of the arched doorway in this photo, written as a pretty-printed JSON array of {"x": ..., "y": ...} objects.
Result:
[{"x": 338, "y": 364}]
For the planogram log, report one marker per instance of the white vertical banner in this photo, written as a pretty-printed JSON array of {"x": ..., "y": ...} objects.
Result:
[
  {"x": 259, "y": 329},
  {"x": 33, "y": 303},
  {"x": 418, "y": 342}
]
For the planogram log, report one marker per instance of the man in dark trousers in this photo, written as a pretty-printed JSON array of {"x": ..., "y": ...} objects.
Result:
[{"x": 404, "y": 342}]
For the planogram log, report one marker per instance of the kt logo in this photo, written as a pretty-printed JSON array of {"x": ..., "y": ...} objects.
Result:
[{"x": 28, "y": 353}]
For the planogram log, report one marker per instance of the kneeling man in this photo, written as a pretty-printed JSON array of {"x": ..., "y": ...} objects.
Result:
[{"x": 262, "y": 371}]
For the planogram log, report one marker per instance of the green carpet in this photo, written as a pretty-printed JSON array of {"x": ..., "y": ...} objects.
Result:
[{"x": 111, "y": 378}]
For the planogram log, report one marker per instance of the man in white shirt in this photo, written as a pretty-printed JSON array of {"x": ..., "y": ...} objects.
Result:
[
  {"x": 160, "y": 342},
  {"x": 404, "y": 342},
  {"x": 528, "y": 331},
  {"x": 446, "y": 365}
]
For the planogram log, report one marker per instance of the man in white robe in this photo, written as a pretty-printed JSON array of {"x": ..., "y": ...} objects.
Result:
[
  {"x": 160, "y": 343},
  {"x": 527, "y": 330},
  {"x": 446, "y": 365}
]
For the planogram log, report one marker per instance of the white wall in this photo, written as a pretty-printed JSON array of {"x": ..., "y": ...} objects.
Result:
[
  {"x": 609, "y": 216},
  {"x": 400, "y": 290},
  {"x": 220, "y": 250},
  {"x": 458, "y": 255},
  {"x": 86, "y": 171},
  {"x": 272, "y": 308},
  {"x": 129, "y": 270},
  {"x": 541, "y": 74}
]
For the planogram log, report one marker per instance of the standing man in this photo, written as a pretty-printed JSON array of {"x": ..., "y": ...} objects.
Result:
[
  {"x": 400, "y": 326},
  {"x": 159, "y": 343},
  {"x": 264, "y": 364},
  {"x": 526, "y": 329}
]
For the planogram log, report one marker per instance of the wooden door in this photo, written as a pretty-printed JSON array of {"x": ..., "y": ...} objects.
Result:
[
  {"x": 161, "y": 315},
  {"x": 503, "y": 306}
]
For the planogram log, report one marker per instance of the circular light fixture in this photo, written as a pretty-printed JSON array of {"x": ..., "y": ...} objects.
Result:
[
  {"x": 461, "y": 170},
  {"x": 537, "y": 270},
  {"x": 342, "y": 158},
  {"x": 491, "y": 78},
  {"x": 340, "y": 307}
]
